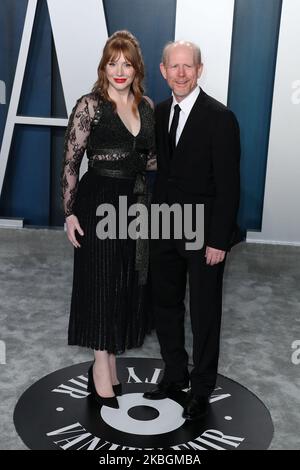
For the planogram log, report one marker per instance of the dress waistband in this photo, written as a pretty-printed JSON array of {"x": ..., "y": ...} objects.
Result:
[{"x": 112, "y": 173}]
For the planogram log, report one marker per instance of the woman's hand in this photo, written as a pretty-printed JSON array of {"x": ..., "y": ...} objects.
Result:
[
  {"x": 73, "y": 225},
  {"x": 151, "y": 164}
]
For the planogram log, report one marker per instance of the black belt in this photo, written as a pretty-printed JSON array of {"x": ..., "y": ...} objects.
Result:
[
  {"x": 99, "y": 170},
  {"x": 140, "y": 189}
]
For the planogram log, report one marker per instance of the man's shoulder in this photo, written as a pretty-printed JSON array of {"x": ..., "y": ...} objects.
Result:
[
  {"x": 217, "y": 108},
  {"x": 163, "y": 105},
  {"x": 213, "y": 104}
]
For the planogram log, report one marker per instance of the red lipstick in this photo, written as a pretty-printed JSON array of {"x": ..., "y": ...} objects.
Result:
[{"x": 120, "y": 80}]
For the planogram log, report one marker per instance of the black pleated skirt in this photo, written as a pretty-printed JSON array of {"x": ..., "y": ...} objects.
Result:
[{"x": 109, "y": 309}]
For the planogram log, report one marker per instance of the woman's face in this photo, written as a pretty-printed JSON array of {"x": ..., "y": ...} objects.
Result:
[{"x": 120, "y": 73}]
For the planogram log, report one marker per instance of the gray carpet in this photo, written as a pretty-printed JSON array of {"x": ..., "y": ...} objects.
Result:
[{"x": 260, "y": 321}]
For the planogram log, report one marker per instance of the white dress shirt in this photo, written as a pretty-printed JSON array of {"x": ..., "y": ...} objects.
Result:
[{"x": 186, "y": 106}]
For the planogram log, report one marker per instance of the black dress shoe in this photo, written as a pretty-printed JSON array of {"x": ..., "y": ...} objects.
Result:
[
  {"x": 164, "y": 389},
  {"x": 196, "y": 407},
  {"x": 111, "y": 402},
  {"x": 117, "y": 389}
]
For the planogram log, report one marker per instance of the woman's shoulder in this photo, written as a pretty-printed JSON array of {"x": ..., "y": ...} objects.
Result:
[
  {"x": 88, "y": 103},
  {"x": 149, "y": 101},
  {"x": 89, "y": 98}
]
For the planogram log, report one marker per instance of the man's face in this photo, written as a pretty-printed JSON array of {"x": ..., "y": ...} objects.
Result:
[{"x": 181, "y": 71}]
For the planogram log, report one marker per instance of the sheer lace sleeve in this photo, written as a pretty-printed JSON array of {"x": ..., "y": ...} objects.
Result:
[{"x": 76, "y": 137}]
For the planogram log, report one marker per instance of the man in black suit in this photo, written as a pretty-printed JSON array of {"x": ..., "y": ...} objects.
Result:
[{"x": 198, "y": 152}]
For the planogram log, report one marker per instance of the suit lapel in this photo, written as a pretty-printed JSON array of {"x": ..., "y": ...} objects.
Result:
[
  {"x": 194, "y": 114},
  {"x": 165, "y": 129}
]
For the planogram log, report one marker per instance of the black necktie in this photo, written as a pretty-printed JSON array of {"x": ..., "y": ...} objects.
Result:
[{"x": 173, "y": 129}]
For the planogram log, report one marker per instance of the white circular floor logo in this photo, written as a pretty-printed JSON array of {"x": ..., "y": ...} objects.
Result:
[{"x": 57, "y": 412}]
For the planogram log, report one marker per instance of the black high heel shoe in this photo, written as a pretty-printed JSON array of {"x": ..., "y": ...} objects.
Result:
[
  {"x": 117, "y": 389},
  {"x": 111, "y": 402}
]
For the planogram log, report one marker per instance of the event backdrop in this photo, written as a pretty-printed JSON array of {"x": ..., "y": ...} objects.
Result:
[{"x": 49, "y": 52}]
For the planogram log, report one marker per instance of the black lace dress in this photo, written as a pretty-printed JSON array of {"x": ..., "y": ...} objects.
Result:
[{"x": 110, "y": 306}]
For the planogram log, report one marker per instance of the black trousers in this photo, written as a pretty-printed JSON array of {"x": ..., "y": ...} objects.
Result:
[{"x": 170, "y": 264}]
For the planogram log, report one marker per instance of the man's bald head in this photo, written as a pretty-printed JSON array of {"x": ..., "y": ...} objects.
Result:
[
  {"x": 176, "y": 44},
  {"x": 181, "y": 66}
]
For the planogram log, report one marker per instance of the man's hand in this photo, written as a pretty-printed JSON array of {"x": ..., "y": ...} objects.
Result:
[
  {"x": 72, "y": 225},
  {"x": 214, "y": 256}
]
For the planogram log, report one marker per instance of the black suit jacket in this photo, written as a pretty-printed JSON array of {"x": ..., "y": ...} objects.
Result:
[{"x": 204, "y": 168}]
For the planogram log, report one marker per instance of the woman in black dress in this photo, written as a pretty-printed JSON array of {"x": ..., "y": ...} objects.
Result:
[{"x": 114, "y": 124}]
